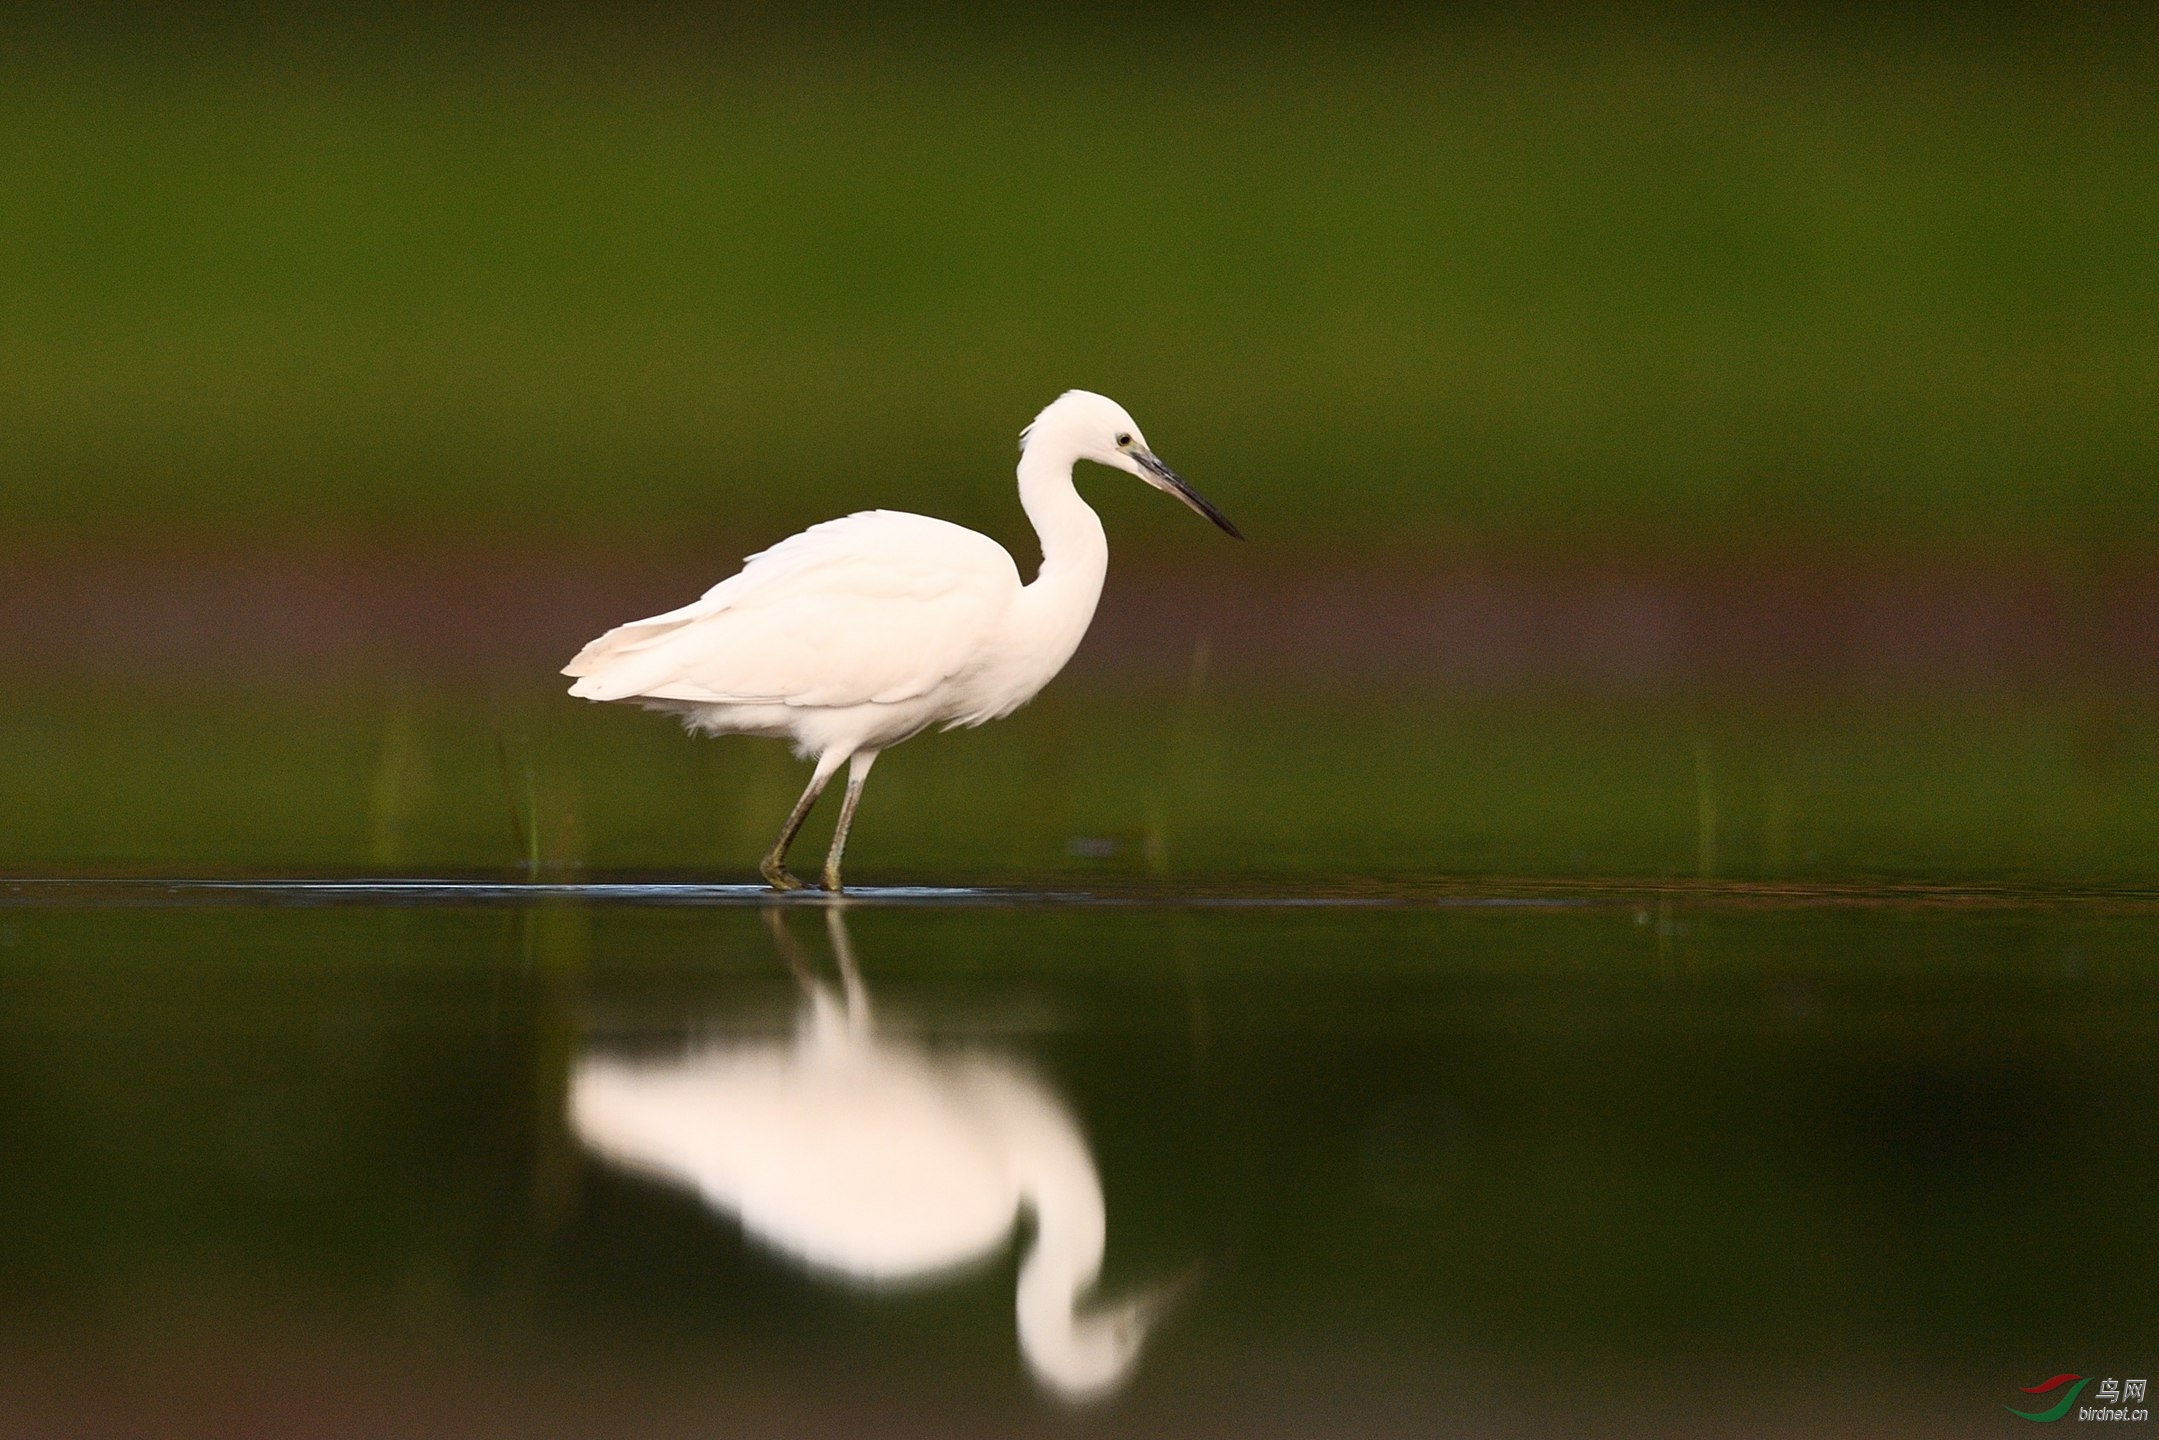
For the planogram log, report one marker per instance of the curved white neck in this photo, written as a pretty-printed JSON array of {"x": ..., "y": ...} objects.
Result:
[
  {"x": 1075, "y": 552},
  {"x": 1053, "y": 613},
  {"x": 1069, "y": 1231},
  {"x": 1057, "y": 1176}
]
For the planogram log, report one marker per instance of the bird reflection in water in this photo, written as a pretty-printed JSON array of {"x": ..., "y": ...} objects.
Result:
[{"x": 876, "y": 1160}]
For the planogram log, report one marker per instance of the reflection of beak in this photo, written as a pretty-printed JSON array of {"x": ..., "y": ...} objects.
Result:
[
  {"x": 1155, "y": 473},
  {"x": 1173, "y": 1293}
]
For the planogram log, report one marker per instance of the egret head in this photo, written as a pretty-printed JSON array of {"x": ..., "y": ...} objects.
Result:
[{"x": 1094, "y": 427}]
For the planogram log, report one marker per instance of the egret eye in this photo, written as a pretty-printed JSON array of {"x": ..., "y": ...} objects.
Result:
[{"x": 1125, "y": 439}]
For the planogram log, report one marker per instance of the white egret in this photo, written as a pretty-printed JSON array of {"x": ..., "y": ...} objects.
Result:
[
  {"x": 881, "y": 1161},
  {"x": 861, "y": 632}
]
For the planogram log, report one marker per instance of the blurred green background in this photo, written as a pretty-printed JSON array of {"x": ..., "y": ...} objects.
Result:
[
  {"x": 1677, "y": 278},
  {"x": 550, "y": 319}
]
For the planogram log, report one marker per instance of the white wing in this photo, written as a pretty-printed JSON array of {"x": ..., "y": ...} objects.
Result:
[{"x": 880, "y": 606}]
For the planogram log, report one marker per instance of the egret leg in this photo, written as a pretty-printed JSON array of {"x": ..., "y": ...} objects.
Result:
[
  {"x": 858, "y": 770},
  {"x": 774, "y": 866}
]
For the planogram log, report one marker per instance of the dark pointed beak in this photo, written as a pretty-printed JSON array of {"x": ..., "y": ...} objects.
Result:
[{"x": 1155, "y": 473}]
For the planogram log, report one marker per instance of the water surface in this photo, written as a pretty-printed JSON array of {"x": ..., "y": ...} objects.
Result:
[{"x": 1536, "y": 1159}]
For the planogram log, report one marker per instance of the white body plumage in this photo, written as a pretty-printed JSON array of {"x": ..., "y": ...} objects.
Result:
[{"x": 857, "y": 634}]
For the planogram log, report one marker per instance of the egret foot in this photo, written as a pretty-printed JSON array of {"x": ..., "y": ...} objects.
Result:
[{"x": 777, "y": 877}]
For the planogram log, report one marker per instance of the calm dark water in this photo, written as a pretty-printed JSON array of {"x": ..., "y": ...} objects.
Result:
[{"x": 365, "y": 1161}]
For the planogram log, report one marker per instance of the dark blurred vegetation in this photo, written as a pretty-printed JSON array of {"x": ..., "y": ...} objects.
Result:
[
  {"x": 1669, "y": 278},
  {"x": 1290, "y": 790}
]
